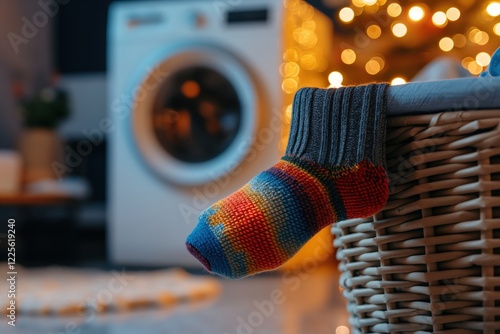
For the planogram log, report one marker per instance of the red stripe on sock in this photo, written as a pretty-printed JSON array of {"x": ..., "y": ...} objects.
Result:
[{"x": 253, "y": 233}]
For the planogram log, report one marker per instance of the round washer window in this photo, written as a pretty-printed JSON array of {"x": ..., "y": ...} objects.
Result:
[{"x": 196, "y": 114}]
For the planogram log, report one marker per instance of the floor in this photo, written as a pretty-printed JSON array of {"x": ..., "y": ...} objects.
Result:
[{"x": 302, "y": 303}]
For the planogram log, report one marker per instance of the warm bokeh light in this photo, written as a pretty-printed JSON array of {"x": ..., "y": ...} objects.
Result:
[
  {"x": 479, "y": 37},
  {"x": 374, "y": 31},
  {"x": 291, "y": 69},
  {"x": 466, "y": 61},
  {"x": 472, "y": 34},
  {"x": 373, "y": 9},
  {"x": 439, "y": 19},
  {"x": 446, "y": 44},
  {"x": 335, "y": 78},
  {"x": 373, "y": 67},
  {"x": 346, "y": 14},
  {"x": 399, "y": 29},
  {"x": 380, "y": 61},
  {"x": 466, "y": 30},
  {"x": 290, "y": 55},
  {"x": 474, "y": 68},
  {"x": 348, "y": 56},
  {"x": 309, "y": 24},
  {"x": 290, "y": 85},
  {"x": 342, "y": 330},
  {"x": 459, "y": 40},
  {"x": 305, "y": 37},
  {"x": 482, "y": 38},
  {"x": 493, "y": 9},
  {"x": 308, "y": 62},
  {"x": 453, "y": 14},
  {"x": 394, "y": 10},
  {"x": 472, "y": 31},
  {"x": 483, "y": 59},
  {"x": 358, "y": 3},
  {"x": 416, "y": 13},
  {"x": 398, "y": 81},
  {"x": 190, "y": 89},
  {"x": 305, "y": 12}
]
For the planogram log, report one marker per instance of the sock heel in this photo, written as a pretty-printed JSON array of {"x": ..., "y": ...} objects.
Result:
[{"x": 364, "y": 189}]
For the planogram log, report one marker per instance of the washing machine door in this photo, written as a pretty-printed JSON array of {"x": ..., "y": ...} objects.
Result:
[{"x": 194, "y": 115}]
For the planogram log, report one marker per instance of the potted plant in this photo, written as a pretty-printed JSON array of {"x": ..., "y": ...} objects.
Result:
[{"x": 40, "y": 145}]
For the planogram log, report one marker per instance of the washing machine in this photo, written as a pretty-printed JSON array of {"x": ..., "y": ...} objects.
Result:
[{"x": 195, "y": 112}]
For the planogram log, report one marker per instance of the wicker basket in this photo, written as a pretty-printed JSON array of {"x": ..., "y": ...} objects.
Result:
[{"x": 430, "y": 261}]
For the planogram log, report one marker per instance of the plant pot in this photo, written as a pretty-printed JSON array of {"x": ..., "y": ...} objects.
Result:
[
  {"x": 39, "y": 148},
  {"x": 10, "y": 176}
]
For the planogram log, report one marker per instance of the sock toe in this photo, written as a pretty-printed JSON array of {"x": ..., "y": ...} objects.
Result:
[
  {"x": 203, "y": 260},
  {"x": 204, "y": 244}
]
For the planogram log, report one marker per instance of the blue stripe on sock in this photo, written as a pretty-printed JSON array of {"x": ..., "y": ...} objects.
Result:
[{"x": 204, "y": 240}]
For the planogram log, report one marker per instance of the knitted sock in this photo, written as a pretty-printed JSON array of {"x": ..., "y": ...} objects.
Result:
[{"x": 333, "y": 170}]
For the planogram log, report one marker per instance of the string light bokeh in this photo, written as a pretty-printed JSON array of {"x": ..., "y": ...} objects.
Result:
[
  {"x": 307, "y": 56},
  {"x": 382, "y": 40},
  {"x": 385, "y": 40}
]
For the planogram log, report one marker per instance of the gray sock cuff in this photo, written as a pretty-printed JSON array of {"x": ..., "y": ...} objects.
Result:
[{"x": 340, "y": 126}]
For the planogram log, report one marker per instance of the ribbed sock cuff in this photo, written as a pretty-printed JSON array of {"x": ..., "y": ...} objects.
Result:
[{"x": 339, "y": 127}]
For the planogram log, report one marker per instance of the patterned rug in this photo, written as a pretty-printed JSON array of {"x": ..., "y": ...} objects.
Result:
[{"x": 64, "y": 291}]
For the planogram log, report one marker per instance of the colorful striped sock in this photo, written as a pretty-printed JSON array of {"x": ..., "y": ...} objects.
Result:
[{"x": 334, "y": 169}]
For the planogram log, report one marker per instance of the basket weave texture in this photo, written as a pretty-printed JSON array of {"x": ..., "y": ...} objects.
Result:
[{"x": 429, "y": 262}]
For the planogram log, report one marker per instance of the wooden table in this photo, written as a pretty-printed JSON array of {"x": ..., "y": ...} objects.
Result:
[{"x": 25, "y": 199}]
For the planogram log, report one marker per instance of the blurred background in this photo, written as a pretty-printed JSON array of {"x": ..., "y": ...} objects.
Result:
[{"x": 120, "y": 121}]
